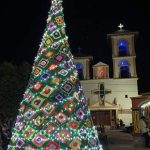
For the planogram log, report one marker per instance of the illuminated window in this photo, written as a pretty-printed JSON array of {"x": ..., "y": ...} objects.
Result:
[
  {"x": 79, "y": 68},
  {"x": 123, "y": 48},
  {"x": 124, "y": 69}
]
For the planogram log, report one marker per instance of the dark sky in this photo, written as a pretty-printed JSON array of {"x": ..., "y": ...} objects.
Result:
[{"x": 22, "y": 24}]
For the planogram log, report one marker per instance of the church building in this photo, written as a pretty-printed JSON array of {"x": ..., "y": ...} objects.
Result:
[{"x": 109, "y": 97}]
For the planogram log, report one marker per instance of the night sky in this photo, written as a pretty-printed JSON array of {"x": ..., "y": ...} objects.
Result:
[{"x": 22, "y": 24}]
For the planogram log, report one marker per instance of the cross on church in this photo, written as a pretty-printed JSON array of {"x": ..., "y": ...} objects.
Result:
[
  {"x": 101, "y": 92},
  {"x": 121, "y": 26}
]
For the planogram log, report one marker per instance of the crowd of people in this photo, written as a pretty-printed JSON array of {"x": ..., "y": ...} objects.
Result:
[{"x": 5, "y": 131}]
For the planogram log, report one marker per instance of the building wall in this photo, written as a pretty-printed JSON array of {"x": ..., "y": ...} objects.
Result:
[{"x": 119, "y": 88}]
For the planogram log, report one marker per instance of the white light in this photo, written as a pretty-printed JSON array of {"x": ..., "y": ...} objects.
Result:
[
  {"x": 145, "y": 105},
  {"x": 121, "y": 26}
]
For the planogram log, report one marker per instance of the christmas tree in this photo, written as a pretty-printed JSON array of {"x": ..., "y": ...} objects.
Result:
[{"x": 53, "y": 114}]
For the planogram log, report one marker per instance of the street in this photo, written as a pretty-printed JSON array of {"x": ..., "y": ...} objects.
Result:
[{"x": 119, "y": 140}]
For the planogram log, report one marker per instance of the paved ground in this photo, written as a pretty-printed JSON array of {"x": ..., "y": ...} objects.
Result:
[{"x": 124, "y": 141}]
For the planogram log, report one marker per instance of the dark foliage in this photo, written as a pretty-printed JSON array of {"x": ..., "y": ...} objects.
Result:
[{"x": 13, "y": 81}]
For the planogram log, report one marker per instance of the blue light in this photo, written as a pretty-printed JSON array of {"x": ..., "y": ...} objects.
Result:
[
  {"x": 79, "y": 66},
  {"x": 124, "y": 63},
  {"x": 123, "y": 43},
  {"x": 123, "y": 48}
]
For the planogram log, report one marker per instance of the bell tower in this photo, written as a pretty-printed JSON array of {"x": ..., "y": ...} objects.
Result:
[{"x": 123, "y": 53}]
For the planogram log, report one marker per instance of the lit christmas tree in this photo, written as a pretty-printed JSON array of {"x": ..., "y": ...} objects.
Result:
[{"x": 53, "y": 114}]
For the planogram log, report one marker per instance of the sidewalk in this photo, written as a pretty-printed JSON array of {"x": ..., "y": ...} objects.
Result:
[{"x": 119, "y": 140}]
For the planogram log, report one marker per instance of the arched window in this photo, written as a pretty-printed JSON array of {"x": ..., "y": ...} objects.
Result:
[
  {"x": 79, "y": 68},
  {"x": 123, "y": 48},
  {"x": 124, "y": 69}
]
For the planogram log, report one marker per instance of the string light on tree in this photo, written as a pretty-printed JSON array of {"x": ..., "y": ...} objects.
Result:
[{"x": 53, "y": 113}]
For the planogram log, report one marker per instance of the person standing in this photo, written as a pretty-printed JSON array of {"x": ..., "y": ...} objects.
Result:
[
  {"x": 121, "y": 123},
  {"x": 113, "y": 124},
  {"x": 144, "y": 130}
]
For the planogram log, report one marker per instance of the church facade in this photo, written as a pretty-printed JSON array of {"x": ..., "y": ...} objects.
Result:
[{"x": 109, "y": 98}]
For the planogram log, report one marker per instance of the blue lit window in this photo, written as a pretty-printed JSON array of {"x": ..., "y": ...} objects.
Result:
[
  {"x": 79, "y": 66},
  {"x": 123, "y": 47},
  {"x": 124, "y": 69},
  {"x": 123, "y": 63}
]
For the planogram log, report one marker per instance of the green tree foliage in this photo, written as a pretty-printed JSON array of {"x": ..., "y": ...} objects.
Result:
[{"x": 13, "y": 80}]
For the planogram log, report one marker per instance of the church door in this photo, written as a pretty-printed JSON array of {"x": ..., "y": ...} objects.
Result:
[{"x": 101, "y": 117}]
